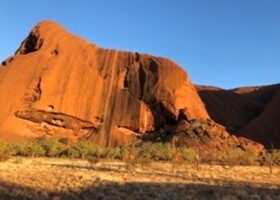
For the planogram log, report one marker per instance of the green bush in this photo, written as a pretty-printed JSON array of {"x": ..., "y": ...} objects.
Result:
[
  {"x": 166, "y": 151},
  {"x": 64, "y": 141},
  {"x": 276, "y": 157},
  {"x": 19, "y": 149},
  {"x": 156, "y": 151},
  {"x": 51, "y": 146},
  {"x": 114, "y": 153},
  {"x": 35, "y": 149},
  {"x": 79, "y": 150},
  {"x": 5, "y": 148},
  {"x": 85, "y": 149},
  {"x": 272, "y": 157},
  {"x": 188, "y": 154},
  {"x": 5, "y": 151},
  {"x": 229, "y": 156},
  {"x": 144, "y": 151},
  {"x": 126, "y": 153}
]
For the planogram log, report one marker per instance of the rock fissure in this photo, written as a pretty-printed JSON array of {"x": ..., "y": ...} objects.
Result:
[
  {"x": 56, "y": 119},
  {"x": 32, "y": 43}
]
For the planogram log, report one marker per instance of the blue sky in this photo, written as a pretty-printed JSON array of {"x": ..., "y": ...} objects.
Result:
[{"x": 227, "y": 43}]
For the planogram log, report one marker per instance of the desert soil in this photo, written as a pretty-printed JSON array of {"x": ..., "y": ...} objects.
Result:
[{"x": 49, "y": 178}]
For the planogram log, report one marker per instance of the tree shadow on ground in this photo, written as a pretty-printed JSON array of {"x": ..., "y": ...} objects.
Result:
[{"x": 141, "y": 190}]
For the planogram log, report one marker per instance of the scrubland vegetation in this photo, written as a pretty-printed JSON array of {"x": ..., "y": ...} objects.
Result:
[
  {"x": 54, "y": 168},
  {"x": 138, "y": 151}
]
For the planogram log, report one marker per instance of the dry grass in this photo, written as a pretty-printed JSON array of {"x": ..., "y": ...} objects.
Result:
[
  {"x": 50, "y": 178},
  {"x": 4, "y": 157}
]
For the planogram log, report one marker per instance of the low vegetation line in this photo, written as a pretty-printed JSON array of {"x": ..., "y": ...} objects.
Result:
[{"x": 138, "y": 151}]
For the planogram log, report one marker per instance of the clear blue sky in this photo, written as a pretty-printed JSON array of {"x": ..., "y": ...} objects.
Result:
[{"x": 227, "y": 43}]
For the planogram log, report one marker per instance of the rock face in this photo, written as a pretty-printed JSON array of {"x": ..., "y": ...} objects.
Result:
[
  {"x": 251, "y": 112},
  {"x": 58, "y": 82}
]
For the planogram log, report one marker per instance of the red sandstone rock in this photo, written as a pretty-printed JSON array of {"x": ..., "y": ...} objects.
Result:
[
  {"x": 250, "y": 112},
  {"x": 60, "y": 84},
  {"x": 58, "y": 81}
]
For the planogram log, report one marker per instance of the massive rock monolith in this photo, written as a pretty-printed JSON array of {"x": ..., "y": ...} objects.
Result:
[
  {"x": 57, "y": 81},
  {"x": 59, "y": 84},
  {"x": 251, "y": 112}
]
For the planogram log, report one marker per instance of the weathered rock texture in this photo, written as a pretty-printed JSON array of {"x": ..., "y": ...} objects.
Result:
[
  {"x": 58, "y": 79},
  {"x": 59, "y": 84},
  {"x": 251, "y": 112}
]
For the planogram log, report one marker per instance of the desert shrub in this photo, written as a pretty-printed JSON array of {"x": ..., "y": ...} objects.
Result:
[
  {"x": 14, "y": 149},
  {"x": 71, "y": 152},
  {"x": 149, "y": 150},
  {"x": 125, "y": 152},
  {"x": 114, "y": 153},
  {"x": 144, "y": 151},
  {"x": 40, "y": 147},
  {"x": 188, "y": 154},
  {"x": 19, "y": 149},
  {"x": 101, "y": 152},
  {"x": 156, "y": 151},
  {"x": 247, "y": 158},
  {"x": 85, "y": 149},
  {"x": 229, "y": 156},
  {"x": 51, "y": 146},
  {"x": 272, "y": 157},
  {"x": 167, "y": 151},
  {"x": 35, "y": 149},
  {"x": 276, "y": 157},
  {"x": 5, "y": 148},
  {"x": 64, "y": 140},
  {"x": 5, "y": 151},
  {"x": 79, "y": 150}
]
